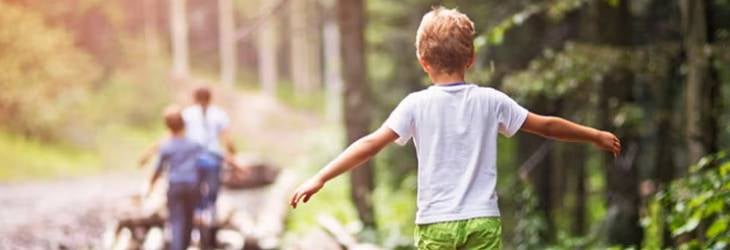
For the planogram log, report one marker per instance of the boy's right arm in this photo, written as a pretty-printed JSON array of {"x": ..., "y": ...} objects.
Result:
[
  {"x": 564, "y": 130},
  {"x": 156, "y": 174},
  {"x": 147, "y": 155},
  {"x": 356, "y": 154}
]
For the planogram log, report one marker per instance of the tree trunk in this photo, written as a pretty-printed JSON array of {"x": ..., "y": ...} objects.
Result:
[
  {"x": 333, "y": 75},
  {"x": 227, "y": 42},
  {"x": 267, "y": 54},
  {"x": 622, "y": 175},
  {"x": 149, "y": 9},
  {"x": 540, "y": 174},
  {"x": 306, "y": 70},
  {"x": 665, "y": 165},
  {"x": 576, "y": 161},
  {"x": 700, "y": 131},
  {"x": 351, "y": 19},
  {"x": 151, "y": 36},
  {"x": 179, "y": 38}
]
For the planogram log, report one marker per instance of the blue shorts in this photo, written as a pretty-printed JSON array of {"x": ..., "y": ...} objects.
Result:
[{"x": 209, "y": 166}]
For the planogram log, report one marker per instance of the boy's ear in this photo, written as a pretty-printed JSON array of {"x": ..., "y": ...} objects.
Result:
[
  {"x": 424, "y": 65},
  {"x": 471, "y": 60}
]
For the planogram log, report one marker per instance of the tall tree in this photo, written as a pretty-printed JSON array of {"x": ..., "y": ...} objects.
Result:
[
  {"x": 538, "y": 151},
  {"x": 333, "y": 75},
  {"x": 304, "y": 25},
  {"x": 576, "y": 158},
  {"x": 700, "y": 132},
  {"x": 622, "y": 175},
  {"x": 267, "y": 51},
  {"x": 227, "y": 42},
  {"x": 179, "y": 38},
  {"x": 149, "y": 9},
  {"x": 351, "y": 19}
]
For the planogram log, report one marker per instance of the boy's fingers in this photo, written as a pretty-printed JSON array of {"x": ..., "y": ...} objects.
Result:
[
  {"x": 293, "y": 201},
  {"x": 300, "y": 197},
  {"x": 306, "y": 197}
]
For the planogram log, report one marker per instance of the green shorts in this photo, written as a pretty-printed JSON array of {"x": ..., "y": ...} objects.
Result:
[{"x": 476, "y": 233}]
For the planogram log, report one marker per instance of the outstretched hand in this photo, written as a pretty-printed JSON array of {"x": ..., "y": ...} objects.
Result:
[
  {"x": 608, "y": 142},
  {"x": 305, "y": 191}
]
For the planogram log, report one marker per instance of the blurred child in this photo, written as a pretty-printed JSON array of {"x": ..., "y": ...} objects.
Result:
[
  {"x": 454, "y": 127},
  {"x": 178, "y": 155}
]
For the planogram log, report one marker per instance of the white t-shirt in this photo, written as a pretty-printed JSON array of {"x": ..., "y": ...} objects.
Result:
[
  {"x": 454, "y": 129},
  {"x": 205, "y": 129}
]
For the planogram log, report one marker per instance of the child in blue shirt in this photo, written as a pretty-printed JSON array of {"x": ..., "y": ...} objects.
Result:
[{"x": 178, "y": 156}]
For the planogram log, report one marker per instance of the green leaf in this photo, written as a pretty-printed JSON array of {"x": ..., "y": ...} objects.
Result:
[
  {"x": 725, "y": 169},
  {"x": 714, "y": 207},
  {"x": 688, "y": 226},
  {"x": 717, "y": 227},
  {"x": 496, "y": 36},
  {"x": 700, "y": 199}
]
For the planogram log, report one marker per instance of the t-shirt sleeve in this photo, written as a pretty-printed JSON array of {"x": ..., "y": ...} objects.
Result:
[
  {"x": 162, "y": 158},
  {"x": 401, "y": 121},
  {"x": 510, "y": 115}
]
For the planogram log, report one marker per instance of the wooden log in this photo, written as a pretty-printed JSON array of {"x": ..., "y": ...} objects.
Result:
[
  {"x": 249, "y": 173},
  {"x": 316, "y": 239},
  {"x": 340, "y": 233},
  {"x": 274, "y": 210}
]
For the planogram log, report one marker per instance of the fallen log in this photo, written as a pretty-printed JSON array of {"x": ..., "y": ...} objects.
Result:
[
  {"x": 341, "y": 235},
  {"x": 270, "y": 224},
  {"x": 249, "y": 172}
]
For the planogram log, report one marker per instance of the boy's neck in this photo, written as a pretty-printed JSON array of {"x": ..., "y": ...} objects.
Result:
[
  {"x": 177, "y": 134},
  {"x": 445, "y": 79}
]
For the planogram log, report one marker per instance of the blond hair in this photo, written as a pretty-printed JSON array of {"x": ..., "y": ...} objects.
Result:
[{"x": 445, "y": 40}]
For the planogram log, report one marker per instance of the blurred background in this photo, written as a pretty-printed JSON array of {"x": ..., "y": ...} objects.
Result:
[{"x": 83, "y": 82}]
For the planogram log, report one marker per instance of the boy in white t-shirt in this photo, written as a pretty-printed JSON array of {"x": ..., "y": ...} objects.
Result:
[{"x": 454, "y": 127}]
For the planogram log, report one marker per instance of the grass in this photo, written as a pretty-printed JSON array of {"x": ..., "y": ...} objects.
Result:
[
  {"x": 117, "y": 148},
  {"x": 314, "y": 101},
  {"x": 25, "y": 159}
]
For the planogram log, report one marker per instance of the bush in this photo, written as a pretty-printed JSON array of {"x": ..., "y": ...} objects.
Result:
[
  {"x": 694, "y": 208},
  {"x": 38, "y": 86}
]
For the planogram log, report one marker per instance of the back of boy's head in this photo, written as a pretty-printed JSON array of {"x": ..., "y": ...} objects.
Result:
[
  {"x": 173, "y": 118},
  {"x": 202, "y": 95},
  {"x": 445, "y": 40}
]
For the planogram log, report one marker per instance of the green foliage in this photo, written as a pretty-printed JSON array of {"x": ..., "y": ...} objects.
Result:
[
  {"x": 695, "y": 207},
  {"x": 67, "y": 110},
  {"x": 554, "y": 9},
  {"x": 564, "y": 73},
  {"x": 495, "y": 35},
  {"x": 531, "y": 224},
  {"x": 395, "y": 213},
  {"x": 38, "y": 86},
  {"x": 124, "y": 89},
  {"x": 334, "y": 199}
]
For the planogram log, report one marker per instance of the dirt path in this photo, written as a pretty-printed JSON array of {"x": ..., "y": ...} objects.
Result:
[
  {"x": 73, "y": 213},
  {"x": 69, "y": 213}
]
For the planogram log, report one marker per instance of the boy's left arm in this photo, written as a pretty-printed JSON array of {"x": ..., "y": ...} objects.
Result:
[
  {"x": 227, "y": 140},
  {"x": 560, "y": 129}
]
